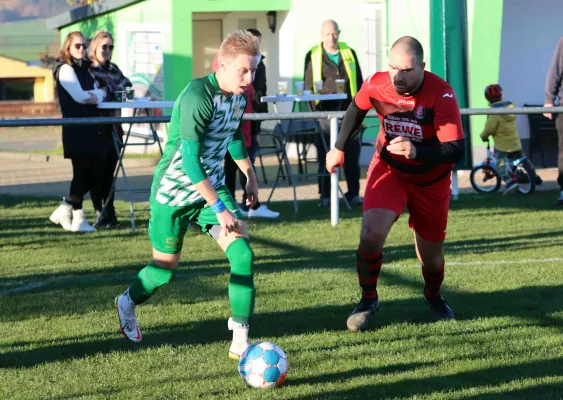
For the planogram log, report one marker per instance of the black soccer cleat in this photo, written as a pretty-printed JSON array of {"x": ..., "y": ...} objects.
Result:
[
  {"x": 439, "y": 307},
  {"x": 359, "y": 318}
]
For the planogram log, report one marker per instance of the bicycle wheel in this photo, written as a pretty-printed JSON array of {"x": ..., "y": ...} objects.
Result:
[
  {"x": 485, "y": 179},
  {"x": 525, "y": 176}
]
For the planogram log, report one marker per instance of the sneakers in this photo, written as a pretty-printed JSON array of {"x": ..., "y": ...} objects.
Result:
[
  {"x": 510, "y": 188},
  {"x": 359, "y": 318},
  {"x": 240, "y": 339},
  {"x": 560, "y": 199},
  {"x": 356, "y": 201},
  {"x": 62, "y": 216},
  {"x": 127, "y": 317},
  {"x": 262, "y": 212},
  {"x": 79, "y": 223},
  {"x": 325, "y": 202},
  {"x": 108, "y": 221},
  {"x": 439, "y": 307}
]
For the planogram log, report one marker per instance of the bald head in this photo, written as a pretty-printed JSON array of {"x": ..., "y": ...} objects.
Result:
[
  {"x": 410, "y": 45},
  {"x": 330, "y": 34}
]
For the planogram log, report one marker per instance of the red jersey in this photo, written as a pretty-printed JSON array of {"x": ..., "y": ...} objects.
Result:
[{"x": 431, "y": 115}]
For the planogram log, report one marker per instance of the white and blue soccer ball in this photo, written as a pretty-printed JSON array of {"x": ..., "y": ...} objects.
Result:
[{"x": 263, "y": 365}]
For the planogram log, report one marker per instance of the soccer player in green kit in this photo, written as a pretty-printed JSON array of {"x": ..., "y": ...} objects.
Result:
[{"x": 189, "y": 187}]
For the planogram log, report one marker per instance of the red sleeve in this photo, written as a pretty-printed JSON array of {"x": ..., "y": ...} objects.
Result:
[
  {"x": 447, "y": 119},
  {"x": 362, "y": 98}
]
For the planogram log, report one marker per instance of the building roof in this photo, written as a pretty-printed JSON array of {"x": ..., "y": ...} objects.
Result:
[
  {"x": 81, "y": 13},
  {"x": 26, "y": 40}
]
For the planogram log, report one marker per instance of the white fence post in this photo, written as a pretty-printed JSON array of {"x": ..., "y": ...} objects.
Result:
[{"x": 334, "y": 204}]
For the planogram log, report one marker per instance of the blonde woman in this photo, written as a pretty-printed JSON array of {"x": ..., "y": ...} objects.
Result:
[
  {"x": 85, "y": 145},
  {"x": 109, "y": 75}
]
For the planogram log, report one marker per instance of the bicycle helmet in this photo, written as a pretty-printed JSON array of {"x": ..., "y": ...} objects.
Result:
[{"x": 493, "y": 93}]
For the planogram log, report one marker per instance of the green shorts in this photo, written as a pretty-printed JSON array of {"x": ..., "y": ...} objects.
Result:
[{"x": 168, "y": 224}]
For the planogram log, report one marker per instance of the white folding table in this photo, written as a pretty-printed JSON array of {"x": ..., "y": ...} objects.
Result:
[
  {"x": 286, "y": 134},
  {"x": 121, "y": 145}
]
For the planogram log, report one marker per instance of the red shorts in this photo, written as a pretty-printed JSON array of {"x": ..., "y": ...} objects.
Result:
[{"x": 428, "y": 205}]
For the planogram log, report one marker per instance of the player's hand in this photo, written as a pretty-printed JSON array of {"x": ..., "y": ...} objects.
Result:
[
  {"x": 334, "y": 159},
  {"x": 229, "y": 223},
  {"x": 251, "y": 192},
  {"x": 91, "y": 99},
  {"x": 548, "y": 115},
  {"x": 403, "y": 147}
]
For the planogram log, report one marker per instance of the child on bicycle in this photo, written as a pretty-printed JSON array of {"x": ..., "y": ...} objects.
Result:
[{"x": 502, "y": 127}]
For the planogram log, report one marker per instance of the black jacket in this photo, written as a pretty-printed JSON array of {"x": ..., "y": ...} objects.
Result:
[
  {"x": 80, "y": 140},
  {"x": 331, "y": 72},
  {"x": 260, "y": 88}
]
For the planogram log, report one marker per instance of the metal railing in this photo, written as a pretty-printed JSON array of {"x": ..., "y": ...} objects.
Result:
[{"x": 333, "y": 116}]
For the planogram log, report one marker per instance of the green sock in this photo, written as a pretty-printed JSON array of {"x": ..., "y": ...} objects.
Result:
[
  {"x": 241, "y": 284},
  {"x": 148, "y": 280}
]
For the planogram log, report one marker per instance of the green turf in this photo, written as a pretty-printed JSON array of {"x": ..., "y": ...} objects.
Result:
[{"x": 59, "y": 334}]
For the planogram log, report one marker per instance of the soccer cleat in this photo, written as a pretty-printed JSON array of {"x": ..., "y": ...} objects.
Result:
[
  {"x": 262, "y": 212},
  {"x": 62, "y": 216},
  {"x": 240, "y": 332},
  {"x": 359, "y": 318},
  {"x": 510, "y": 188},
  {"x": 439, "y": 307},
  {"x": 127, "y": 317},
  {"x": 79, "y": 223}
]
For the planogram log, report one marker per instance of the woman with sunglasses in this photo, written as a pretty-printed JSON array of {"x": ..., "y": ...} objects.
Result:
[
  {"x": 108, "y": 75},
  {"x": 85, "y": 145}
]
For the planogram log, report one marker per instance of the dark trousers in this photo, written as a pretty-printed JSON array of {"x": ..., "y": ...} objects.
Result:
[
  {"x": 107, "y": 180},
  {"x": 231, "y": 169},
  {"x": 87, "y": 176},
  {"x": 351, "y": 167},
  {"x": 559, "y": 126}
]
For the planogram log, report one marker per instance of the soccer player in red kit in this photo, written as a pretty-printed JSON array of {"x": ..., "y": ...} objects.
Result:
[{"x": 419, "y": 141}]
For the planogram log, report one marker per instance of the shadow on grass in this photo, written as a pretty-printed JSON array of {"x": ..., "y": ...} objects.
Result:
[
  {"x": 450, "y": 383},
  {"x": 532, "y": 303}
]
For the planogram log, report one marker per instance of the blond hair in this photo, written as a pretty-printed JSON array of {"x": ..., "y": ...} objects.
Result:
[
  {"x": 239, "y": 42},
  {"x": 95, "y": 43}
]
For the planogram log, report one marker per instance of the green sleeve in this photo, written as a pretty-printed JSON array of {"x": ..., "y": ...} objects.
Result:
[
  {"x": 191, "y": 162},
  {"x": 237, "y": 148},
  {"x": 196, "y": 111}
]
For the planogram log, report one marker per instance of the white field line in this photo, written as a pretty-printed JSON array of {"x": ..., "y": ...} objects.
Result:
[{"x": 115, "y": 279}]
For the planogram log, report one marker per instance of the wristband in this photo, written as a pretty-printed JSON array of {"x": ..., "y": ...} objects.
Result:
[{"x": 218, "y": 206}]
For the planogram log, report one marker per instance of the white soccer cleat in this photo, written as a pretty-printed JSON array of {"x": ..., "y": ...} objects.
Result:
[
  {"x": 62, "y": 216},
  {"x": 240, "y": 339},
  {"x": 127, "y": 318},
  {"x": 79, "y": 223},
  {"x": 262, "y": 212}
]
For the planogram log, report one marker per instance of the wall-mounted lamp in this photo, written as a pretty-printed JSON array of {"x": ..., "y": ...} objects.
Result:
[{"x": 272, "y": 19}]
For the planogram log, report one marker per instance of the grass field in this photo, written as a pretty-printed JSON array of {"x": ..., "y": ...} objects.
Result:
[{"x": 59, "y": 334}]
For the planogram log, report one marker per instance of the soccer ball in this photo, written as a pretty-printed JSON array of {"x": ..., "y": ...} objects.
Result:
[{"x": 263, "y": 365}]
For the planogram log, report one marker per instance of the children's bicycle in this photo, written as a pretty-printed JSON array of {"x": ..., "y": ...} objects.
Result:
[{"x": 486, "y": 179}]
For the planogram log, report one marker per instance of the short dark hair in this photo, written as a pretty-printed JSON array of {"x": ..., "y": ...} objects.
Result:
[
  {"x": 255, "y": 32},
  {"x": 413, "y": 44}
]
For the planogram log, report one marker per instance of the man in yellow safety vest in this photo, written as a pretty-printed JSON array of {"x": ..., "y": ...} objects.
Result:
[{"x": 329, "y": 61}]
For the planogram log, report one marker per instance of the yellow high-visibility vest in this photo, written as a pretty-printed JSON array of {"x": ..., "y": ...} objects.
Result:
[{"x": 347, "y": 58}]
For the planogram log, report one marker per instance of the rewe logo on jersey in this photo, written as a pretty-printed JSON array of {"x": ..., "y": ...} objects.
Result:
[
  {"x": 407, "y": 102},
  {"x": 400, "y": 128}
]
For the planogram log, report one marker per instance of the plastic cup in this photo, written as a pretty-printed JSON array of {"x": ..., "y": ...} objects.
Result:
[
  {"x": 318, "y": 86},
  {"x": 282, "y": 88},
  {"x": 340, "y": 86},
  {"x": 299, "y": 87}
]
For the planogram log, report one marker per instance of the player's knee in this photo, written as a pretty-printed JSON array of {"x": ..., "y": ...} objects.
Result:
[
  {"x": 166, "y": 264},
  {"x": 371, "y": 240},
  {"x": 156, "y": 275},
  {"x": 241, "y": 257}
]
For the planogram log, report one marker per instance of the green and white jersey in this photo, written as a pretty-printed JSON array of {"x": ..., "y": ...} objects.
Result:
[{"x": 203, "y": 114}]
